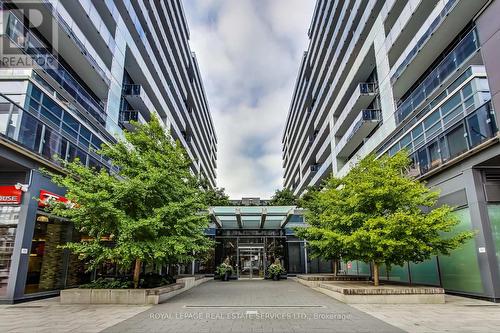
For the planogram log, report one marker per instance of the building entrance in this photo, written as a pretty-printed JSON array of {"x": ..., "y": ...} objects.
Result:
[{"x": 251, "y": 262}]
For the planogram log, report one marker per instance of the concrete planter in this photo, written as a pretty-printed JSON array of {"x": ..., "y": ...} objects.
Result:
[
  {"x": 363, "y": 292},
  {"x": 129, "y": 296}
]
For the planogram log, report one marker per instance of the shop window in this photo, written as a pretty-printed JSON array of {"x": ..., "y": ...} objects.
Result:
[
  {"x": 9, "y": 218},
  {"x": 50, "y": 267},
  {"x": 460, "y": 270}
]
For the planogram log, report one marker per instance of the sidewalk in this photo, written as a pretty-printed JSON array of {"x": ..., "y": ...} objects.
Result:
[
  {"x": 459, "y": 314},
  {"x": 49, "y": 316}
]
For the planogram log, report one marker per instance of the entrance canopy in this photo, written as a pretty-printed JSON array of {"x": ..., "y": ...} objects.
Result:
[{"x": 256, "y": 217}]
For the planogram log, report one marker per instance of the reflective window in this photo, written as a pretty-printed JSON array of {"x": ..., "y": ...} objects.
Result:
[
  {"x": 456, "y": 141},
  {"x": 9, "y": 218}
]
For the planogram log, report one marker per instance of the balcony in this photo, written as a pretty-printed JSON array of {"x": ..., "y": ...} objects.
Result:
[
  {"x": 363, "y": 95},
  {"x": 128, "y": 117},
  {"x": 362, "y": 126},
  {"x": 473, "y": 132},
  {"x": 137, "y": 98},
  {"x": 457, "y": 58},
  {"x": 51, "y": 68}
]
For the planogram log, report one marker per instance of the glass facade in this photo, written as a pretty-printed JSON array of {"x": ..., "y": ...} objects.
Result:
[
  {"x": 47, "y": 129},
  {"x": 454, "y": 60},
  {"x": 425, "y": 272},
  {"x": 460, "y": 270},
  {"x": 9, "y": 218},
  {"x": 50, "y": 267},
  {"x": 494, "y": 214}
]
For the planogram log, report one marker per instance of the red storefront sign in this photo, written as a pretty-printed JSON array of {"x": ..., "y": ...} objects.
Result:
[
  {"x": 46, "y": 195},
  {"x": 10, "y": 195}
]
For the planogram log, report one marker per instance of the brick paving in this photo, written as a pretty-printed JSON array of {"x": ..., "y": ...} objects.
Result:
[{"x": 252, "y": 306}]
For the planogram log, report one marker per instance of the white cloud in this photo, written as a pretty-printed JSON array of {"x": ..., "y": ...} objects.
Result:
[{"x": 249, "y": 53}]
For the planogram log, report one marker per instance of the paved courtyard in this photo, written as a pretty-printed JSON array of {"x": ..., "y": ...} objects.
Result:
[{"x": 252, "y": 306}]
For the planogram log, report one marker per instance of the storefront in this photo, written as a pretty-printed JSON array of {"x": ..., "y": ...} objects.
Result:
[
  {"x": 10, "y": 206},
  {"x": 32, "y": 264}
]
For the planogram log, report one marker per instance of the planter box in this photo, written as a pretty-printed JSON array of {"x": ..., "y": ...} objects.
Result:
[
  {"x": 129, "y": 296},
  {"x": 363, "y": 292},
  {"x": 314, "y": 280}
]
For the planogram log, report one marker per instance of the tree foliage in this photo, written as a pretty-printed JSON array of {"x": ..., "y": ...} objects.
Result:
[
  {"x": 283, "y": 197},
  {"x": 216, "y": 197},
  {"x": 150, "y": 209},
  {"x": 379, "y": 214}
]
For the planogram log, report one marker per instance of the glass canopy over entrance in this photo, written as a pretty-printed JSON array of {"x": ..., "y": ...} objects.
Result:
[
  {"x": 253, "y": 237},
  {"x": 255, "y": 217}
]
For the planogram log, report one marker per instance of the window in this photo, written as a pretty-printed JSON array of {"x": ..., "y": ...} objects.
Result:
[
  {"x": 451, "y": 104},
  {"x": 30, "y": 132},
  {"x": 456, "y": 141},
  {"x": 55, "y": 109},
  {"x": 434, "y": 155},
  {"x": 479, "y": 127},
  {"x": 9, "y": 218}
]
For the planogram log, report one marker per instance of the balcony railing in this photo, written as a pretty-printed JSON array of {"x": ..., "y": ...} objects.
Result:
[
  {"x": 37, "y": 135},
  {"x": 315, "y": 167},
  {"x": 81, "y": 46},
  {"x": 423, "y": 39},
  {"x": 132, "y": 89},
  {"x": 454, "y": 60},
  {"x": 368, "y": 87},
  {"x": 33, "y": 47},
  {"x": 366, "y": 116},
  {"x": 474, "y": 130}
]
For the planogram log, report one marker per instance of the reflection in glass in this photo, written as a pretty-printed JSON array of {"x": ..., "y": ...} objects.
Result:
[{"x": 9, "y": 217}]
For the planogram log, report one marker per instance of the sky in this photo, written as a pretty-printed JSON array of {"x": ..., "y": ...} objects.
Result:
[{"x": 249, "y": 53}]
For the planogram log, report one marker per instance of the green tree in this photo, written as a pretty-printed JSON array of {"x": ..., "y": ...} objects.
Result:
[
  {"x": 216, "y": 197},
  {"x": 284, "y": 197},
  {"x": 150, "y": 209},
  {"x": 379, "y": 214}
]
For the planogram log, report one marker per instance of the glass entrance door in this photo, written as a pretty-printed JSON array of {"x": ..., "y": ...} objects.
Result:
[{"x": 251, "y": 262}]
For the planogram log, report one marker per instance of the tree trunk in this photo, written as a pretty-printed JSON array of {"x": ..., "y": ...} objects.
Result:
[
  {"x": 375, "y": 274},
  {"x": 137, "y": 272},
  {"x": 335, "y": 266}
]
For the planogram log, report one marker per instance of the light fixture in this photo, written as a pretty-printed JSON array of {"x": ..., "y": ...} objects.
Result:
[{"x": 22, "y": 187}]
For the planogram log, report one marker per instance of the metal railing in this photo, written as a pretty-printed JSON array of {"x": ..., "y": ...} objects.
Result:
[
  {"x": 454, "y": 60},
  {"x": 33, "y": 47}
]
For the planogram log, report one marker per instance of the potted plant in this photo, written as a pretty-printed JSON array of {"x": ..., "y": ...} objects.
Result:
[
  {"x": 224, "y": 270},
  {"x": 275, "y": 270}
]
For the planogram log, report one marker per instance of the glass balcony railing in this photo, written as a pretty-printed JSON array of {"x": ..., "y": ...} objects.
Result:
[
  {"x": 81, "y": 46},
  {"x": 366, "y": 115},
  {"x": 474, "y": 130},
  {"x": 368, "y": 88},
  {"x": 131, "y": 89},
  {"x": 424, "y": 38},
  {"x": 129, "y": 115},
  {"x": 33, "y": 47},
  {"x": 43, "y": 138},
  {"x": 454, "y": 60}
]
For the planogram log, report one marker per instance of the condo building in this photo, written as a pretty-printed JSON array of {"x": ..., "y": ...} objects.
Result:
[
  {"x": 73, "y": 75},
  {"x": 421, "y": 75}
]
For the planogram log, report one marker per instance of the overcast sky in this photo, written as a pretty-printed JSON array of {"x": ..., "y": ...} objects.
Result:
[{"x": 249, "y": 54}]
